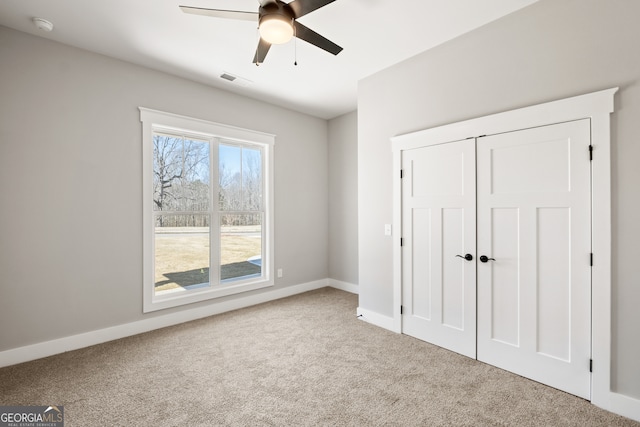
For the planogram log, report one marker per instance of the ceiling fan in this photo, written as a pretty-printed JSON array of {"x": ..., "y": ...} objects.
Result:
[{"x": 277, "y": 23}]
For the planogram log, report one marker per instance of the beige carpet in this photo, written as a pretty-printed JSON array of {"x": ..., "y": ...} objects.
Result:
[{"x": 300, "y": 361}]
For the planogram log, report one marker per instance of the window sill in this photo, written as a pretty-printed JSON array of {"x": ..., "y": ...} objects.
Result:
[{"x": 197, "y": 293}]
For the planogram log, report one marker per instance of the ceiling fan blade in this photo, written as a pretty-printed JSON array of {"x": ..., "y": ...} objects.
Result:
[
  {"x": 302, "y": 7},
  {"x": 261, "y": 51},
  {"x": 316, "y": 39},
  {"x": 219, "y": 13}
]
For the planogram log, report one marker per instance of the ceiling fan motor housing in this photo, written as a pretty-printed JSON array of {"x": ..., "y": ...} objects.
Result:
[{"x": 276, "y": 8}]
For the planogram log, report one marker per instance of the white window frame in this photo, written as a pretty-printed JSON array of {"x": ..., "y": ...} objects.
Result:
[{"x": 159, "y": 121}]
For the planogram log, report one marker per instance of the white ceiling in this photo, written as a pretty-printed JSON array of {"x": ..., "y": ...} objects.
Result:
[{"x": 375, "y": 34}]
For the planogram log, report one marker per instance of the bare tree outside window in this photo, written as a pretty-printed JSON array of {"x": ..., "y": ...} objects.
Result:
[
  {"x": 240, "y": 182},
  {"x": 181, "y": 176}
]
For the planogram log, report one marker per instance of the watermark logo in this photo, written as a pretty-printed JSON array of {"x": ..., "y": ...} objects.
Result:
[{"x": 31, "y": 416}]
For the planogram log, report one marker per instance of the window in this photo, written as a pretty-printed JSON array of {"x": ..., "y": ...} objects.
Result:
[{"x": 208, "y": 216}]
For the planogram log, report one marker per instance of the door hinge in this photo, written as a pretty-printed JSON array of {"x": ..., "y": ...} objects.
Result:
[
  {"x": 591, "y": 260},
  {"x": 401, "y": 310},
  {"x": 401, "y": 241},
  {"x": 401, "y": 173},
  {"x": 590, "y": 365},
  {"x": 590, "y": 152}
]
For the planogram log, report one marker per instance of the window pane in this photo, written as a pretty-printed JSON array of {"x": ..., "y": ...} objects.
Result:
[
  {"x": 240, "y": 178},
  {"x": 240, "y": 245},
  {"x": 251, "y": 179},
  {"x": 180, "y": 174},
  {"x": 181, "y": 252},
  {"x": 230, "y": 178}
]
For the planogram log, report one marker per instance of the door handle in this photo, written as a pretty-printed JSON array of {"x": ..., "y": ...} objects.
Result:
[
  {"x": 484, "y": 258},
  {"x": 468, "y": 257}
]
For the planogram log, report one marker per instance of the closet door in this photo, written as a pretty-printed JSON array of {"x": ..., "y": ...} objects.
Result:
[
  {"x": 534, "y": 226},
  {"x": 438, "y": 229}
]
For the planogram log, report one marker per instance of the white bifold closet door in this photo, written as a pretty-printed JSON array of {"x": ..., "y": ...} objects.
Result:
[
  {"x": 534, "y": 219},
  {"x": 525, "y": 196}
]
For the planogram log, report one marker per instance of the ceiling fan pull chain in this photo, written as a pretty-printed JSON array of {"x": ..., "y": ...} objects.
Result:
[{"x": 295, "y": 45}]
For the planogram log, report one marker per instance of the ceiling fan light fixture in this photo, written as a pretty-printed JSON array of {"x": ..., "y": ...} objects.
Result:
[{"x": 275, "y": 29}]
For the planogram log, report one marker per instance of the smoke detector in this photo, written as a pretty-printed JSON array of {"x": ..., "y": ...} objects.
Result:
[{"x": 43, "y": 24}]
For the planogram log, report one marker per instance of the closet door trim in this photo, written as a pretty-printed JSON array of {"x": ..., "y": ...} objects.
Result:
[{"x": 596, "y": 107}]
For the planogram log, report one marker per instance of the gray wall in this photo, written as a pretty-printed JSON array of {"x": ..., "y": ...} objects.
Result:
[
  {"x": 343, "y": 198},
  {"x": 547, "y": 51},
  {"x": 71, "y": 185}
]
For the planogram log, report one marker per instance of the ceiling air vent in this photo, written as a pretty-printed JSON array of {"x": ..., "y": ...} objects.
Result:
[
  {"x": 228, "y": 77},
  {"x": 235, "y": 79}
]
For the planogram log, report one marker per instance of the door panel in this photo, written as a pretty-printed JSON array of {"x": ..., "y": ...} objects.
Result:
[
  {"x": 554, "y": 283},
  {"x": 505, "y": 291},
  {"x": 516, "y": 168},
  {"x": 452, "y": 273},
  {"x": 534, "y": 218},
  {"x": 420, "y": 300},
  {"x": 438, "y": 223}
]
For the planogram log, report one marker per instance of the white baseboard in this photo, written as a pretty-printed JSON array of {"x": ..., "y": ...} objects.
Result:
[
  {"x": 377, "y": 319},
  {"x": 625, "y": 406},
  {"x": 74, "y": 342},
  {"x": 343, "y": 286}
]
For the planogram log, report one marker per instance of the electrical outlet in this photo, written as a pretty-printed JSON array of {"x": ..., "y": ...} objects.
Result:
[
  {"x": 387, "y": 229},
  {"x": 279, "y": 272}
]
